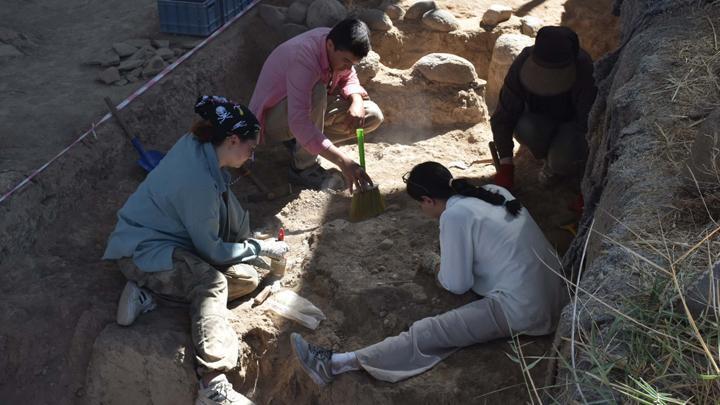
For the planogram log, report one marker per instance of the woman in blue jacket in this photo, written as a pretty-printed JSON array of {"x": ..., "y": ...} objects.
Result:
[{"x": 184, "y": 235}]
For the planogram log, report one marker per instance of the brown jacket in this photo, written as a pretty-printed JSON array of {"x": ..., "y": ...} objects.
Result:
[{"x": 573, "y": 105}]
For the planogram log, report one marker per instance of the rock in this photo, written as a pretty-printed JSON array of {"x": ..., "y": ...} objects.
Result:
[
  {"x": 139, "y": 42},
  {"x": 417, "y": 10},
  {"x": 446, "y": 68},
  {"x": 290, "y": 30},
  {"x": 394, "y": 11},
  {"x": 154, "y": 66},
  {"x": 9, "y": 51},
  {"x": 189, "y": 44},
  {"x": 325, "y": 13},
  {"x": 507, "y": 48},
  {"x": 377, "y": 20},
  {"x": 109, "y": 75},
  {"x": 161, "y": 43},
  {"x": 273, "y": 16},
  {"x": 7, "y": 35},
  {"x": 386, "y": 244},
  {"x": 143, "y": 53},
  {"x": 165, "y": 53},
  {"x": 130, "y": 64},
  {"x": 496, "y": 14},
  {"x": 134, "y": 75},
  {"x": 700, "y": 296},
  {"x": 296, "y": 13},
  {"x": 368, "y": 67},
  {"x": 128, "y": 364},
  {"x": 123, "y": 49},
  {"x": 531, "y": 25},
  {"x": 440, "y": 20},
  {"x": 178, "y": 51},
  {"x": 121, "y": 82},
  {"x": 105, "y": 59}
]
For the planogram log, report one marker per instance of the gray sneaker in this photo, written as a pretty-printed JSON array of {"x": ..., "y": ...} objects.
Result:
[
  {"x": 133, "y": 302},
  {"x": 315, "y": 360}
]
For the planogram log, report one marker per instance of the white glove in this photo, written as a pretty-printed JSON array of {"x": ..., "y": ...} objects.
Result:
[{"x": 274, "y": 249}]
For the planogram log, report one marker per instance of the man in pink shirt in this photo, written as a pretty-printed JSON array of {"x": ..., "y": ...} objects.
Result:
[{"x": 309, "y": 96}]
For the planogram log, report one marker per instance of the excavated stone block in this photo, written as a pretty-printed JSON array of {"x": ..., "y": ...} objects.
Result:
[
  {"x": 507, "y": 48},
  {"x": 440, "y": 20},
  {"x": 273, "y": 16},
  {"x": 109, "y": 75},
  {"x": 297, "y": 12},
  {"x": 394, "y": 11},
  {"x": 368, "y": 67},
  {"x": 417, "y": 10},
  {"x": 154, "y": 66},
  {"x": 377, "y": 20},
  {"x": 123, "y": 49},
  {"x": 496, "y": 14},
  {"x": 446, "y": 68},
  {"x": 325, "y": 13}
]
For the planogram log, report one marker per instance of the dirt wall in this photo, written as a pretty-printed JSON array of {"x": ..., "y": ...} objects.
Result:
[{"x": 640, "y": 129}]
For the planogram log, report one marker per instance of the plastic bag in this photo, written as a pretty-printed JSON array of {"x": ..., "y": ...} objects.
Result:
[{"x": 288, "y": 304}]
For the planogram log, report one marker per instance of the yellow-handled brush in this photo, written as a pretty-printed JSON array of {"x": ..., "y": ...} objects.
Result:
[{"x": 366, "y": 203}]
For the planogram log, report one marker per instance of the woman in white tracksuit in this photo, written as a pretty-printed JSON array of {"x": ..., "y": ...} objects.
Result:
[{"x": 488, "y": 244}]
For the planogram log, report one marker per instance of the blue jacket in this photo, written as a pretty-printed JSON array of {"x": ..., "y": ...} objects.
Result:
[{"x": 183, "y": 203}]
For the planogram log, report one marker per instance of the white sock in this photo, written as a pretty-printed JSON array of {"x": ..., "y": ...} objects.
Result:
[{"x": 344, "y": 362}]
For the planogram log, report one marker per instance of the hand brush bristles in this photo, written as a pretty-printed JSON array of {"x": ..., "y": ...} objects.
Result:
[{"x": 366, "y": 203}]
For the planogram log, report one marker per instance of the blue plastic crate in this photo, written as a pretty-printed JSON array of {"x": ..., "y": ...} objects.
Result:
[
  {"x": 231, "y": 8},
  {"x": 190, "y": 17}
]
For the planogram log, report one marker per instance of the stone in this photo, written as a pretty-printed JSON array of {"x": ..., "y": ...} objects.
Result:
[
  {"x": 377, "y": 20},
  {"x": 9, "y": 51},
  {"x": 165, "y": 53},
  {"x": 109, "y": 75},
  {"x": 531, "y": 25},
  {"x": 394, "y": 11},
  {"x": 417, "y": 10},
  {"x": 386, "y": 244},
  {"x": 507, "y": 48},
  {"x": 178, "y": 51},
  {"x": 134, "y": 75},
  {"x": 368, "y": 67},
  {"x": 154, "y": 66},
  {"x": 189, "y": 44},
  {"x": 440, "y": 20},
  {"x": 446, "y": 68},
  {"x": 139, "y": 42},
  {"x": 7, "y": 35},
  {"x": 290, "y": 30},
  {"x": 161, "y": 43},
  {"x": 496, "y": 14},
  {"x": 143, "y": 53},
  {"x": 701, "y": 296},
  {"x": 130, "y": 64},
  {"x": 296, "y": 13},
  {"x": 325, "y": 13},
  {"x": 121, "y": 82},
  {"x": 123, "y": 49},
  {"x": 273, "y": 16}
]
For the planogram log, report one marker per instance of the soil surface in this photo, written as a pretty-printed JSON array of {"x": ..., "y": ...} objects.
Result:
[{"x": 58, "y": 296}]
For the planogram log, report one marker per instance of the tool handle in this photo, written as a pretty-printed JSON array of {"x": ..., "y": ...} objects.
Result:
[
  {"x": 281, "y": 234},
  {"x": 494, "y": 154},
  {"x": 360, "y": 133},
  {"x": 114, "y": 112}
]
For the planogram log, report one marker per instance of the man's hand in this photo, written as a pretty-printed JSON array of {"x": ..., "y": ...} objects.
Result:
[
  {"x": 356, "y": 113},
  {"x": 505, "y": 176},
  {"x": 355, "y": 176},
  {"x": 429, "y": 264}
]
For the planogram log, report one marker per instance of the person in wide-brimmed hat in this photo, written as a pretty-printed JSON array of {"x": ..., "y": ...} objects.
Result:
[{"x": 545, "y": 101}]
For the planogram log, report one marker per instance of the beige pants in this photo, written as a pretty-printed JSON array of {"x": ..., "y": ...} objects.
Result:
[
  {"x": 430, "y": 340},
  {"x": 207, "y": 290},
  {"x": 330, "y": 116}
]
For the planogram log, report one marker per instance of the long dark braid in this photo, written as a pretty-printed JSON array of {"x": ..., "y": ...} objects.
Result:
[{"x": 434, "y": 180}]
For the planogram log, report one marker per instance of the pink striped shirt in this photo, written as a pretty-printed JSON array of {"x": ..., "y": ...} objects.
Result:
[{"x": 291, "y": 71}]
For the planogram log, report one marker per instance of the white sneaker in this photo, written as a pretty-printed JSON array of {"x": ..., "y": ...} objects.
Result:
[
  {"x": 133, "y": 302},
  {"x": 220, "y": 392}
]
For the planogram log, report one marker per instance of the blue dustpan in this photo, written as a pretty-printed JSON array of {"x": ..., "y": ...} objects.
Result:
[{"x": 149, "y": 159}]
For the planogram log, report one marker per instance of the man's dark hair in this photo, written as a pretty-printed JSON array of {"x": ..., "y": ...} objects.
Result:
[{"x": 351, "y": 35}]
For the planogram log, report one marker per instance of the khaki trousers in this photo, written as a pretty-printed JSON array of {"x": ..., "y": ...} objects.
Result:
[
  {"x": 208, "y": 291},
  {"x": 430, "y": 340},
  {"x": 328, "y": 115}
]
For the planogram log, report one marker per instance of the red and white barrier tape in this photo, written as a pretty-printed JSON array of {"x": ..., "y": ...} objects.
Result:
[{"x": 145, "y": 87}]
